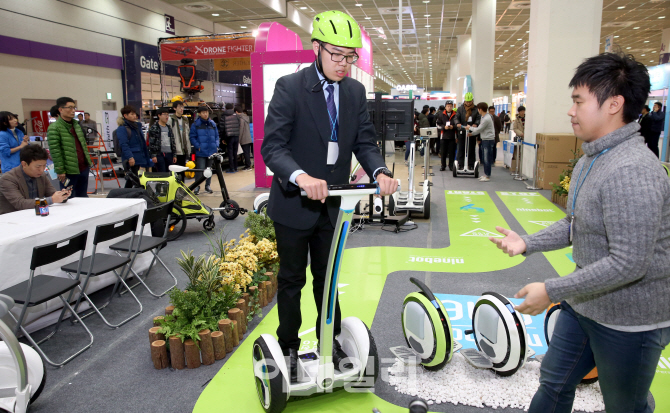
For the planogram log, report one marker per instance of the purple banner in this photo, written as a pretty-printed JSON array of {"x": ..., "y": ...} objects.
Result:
[{"x": 37, "y": 50}]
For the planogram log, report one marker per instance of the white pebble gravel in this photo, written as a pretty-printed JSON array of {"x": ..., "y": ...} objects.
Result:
[{"x": 460, "y": 383}]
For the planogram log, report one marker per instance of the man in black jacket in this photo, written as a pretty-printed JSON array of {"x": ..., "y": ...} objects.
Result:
[
  {"x": 646, "y": 132},
  {"x": 434, "y": 142},
  {"x": 467, "y": 115},
  {"x": 229, "y": 124},
  {"x": 317, "y": 117},
  {"x": 445, "y": 121}
]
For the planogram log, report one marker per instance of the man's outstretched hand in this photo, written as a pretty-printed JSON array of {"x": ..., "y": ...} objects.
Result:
[
  {"x": 537, "y": 300},
  {"x": 512, "y": 244}
]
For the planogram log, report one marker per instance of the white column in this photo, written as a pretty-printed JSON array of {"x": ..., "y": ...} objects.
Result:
[
  {"x": 562, "y": 34},
  {"x": 447, "y": 81},
  {"x": 453, "y": 84},
  {"x": 464, "y": 49},
  {"x": 483, "y": 44}
]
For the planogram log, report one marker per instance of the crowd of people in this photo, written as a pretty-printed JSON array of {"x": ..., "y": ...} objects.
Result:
[
  {"x": 171, "y": 139},
  {"x": 480, "y": 121}
]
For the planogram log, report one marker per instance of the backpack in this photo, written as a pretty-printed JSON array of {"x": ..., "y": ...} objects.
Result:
[{"x": 115, "y": 141}]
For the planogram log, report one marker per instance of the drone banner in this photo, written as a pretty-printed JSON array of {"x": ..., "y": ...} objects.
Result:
[{"x": 207, "y": 49}]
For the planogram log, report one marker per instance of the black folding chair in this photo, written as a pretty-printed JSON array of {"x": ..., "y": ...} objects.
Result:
[
  {"x": 141, "y": 244},
  {"x": 41, "y": 288},
  {"x": 98, "y": 264}
]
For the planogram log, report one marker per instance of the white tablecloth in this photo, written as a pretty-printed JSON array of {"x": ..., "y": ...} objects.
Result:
[{"x": 21, "y": 231}]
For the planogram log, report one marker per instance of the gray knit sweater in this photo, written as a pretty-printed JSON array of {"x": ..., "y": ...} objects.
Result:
[{"x": 621, "y": 240}]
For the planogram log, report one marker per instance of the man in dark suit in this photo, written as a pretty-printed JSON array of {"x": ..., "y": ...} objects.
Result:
[
  {"x": 645, "y": 129},
  {"x": 316, "y": 119}
]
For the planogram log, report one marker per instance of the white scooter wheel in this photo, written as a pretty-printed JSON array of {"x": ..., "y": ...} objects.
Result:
[
  {"x": 37, "y": 373},
  {"x": 269, "y": 378}
]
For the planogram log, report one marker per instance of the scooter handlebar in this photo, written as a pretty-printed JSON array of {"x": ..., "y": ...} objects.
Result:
[{"x": 350, "y": 189}]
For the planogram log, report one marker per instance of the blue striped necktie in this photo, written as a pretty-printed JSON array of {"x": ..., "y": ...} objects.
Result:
[{"x": 332, "y": 112}]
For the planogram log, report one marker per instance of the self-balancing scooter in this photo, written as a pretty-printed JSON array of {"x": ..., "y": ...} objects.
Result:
[
  {"x": 465, "y": 171},
  {"x": 316, "y": 372}
]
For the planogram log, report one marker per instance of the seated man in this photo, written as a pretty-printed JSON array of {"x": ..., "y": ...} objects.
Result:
[{"x": 20, "y": 186}]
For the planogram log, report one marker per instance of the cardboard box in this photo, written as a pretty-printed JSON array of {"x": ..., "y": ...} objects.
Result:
[
  {"x": 549, "y": 172},
  {"x": 555, "y": 147}
]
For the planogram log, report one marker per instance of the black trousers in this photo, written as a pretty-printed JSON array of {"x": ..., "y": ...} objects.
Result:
[
  {"x": 232, "y": 143},
  {"x": 471, "y": 150},
  {"x": 447, "y": 150},
  {"x": 246, "y": 148},
  {"x": 293, "y": 246},
  {"x": 652, "y": 142}
]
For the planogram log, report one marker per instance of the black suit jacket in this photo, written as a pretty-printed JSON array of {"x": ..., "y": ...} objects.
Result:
[
  {"x": 645, "y": 126},
  {"x": 297, "y": 132}
]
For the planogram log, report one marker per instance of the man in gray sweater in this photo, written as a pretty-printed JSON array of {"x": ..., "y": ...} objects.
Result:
[
  {"x": 487, "y": 136},
  {"x": 615, "y": 306}
]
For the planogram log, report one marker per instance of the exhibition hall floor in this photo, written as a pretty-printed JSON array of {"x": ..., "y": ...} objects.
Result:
[{"x": 450, "y": 252}]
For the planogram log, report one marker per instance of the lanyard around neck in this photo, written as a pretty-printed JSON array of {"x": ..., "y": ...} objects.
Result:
[{"x": 579, "y": 186}]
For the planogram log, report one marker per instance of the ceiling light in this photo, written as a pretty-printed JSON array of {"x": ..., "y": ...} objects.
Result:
[
  {"x": 428, "y": 25},
  {"x": 426, "y": 15},
  {"x": 427, "y": 34},
  {"x": 661, "y": 17},
  {"x": 635, "y": 28},
  {"x": 429, "y": 41},
  {"x": 628, "y": 48},
  {"x": 651, "y": 61},
  {"x": 358, "y": 4},
  {"x": 388, "y": 49},
  {"x": 426, "y": 1},
  {"x": 512, "y": 45},
  {"x": 215, "y": 14},
  {"x": 527, "y": 31},
  {"x": 646, "y": 41},
  {"x": 519, "y": 39},
  {"x": 654, "y": 51},
  {"x": 243, "y": 27},
  {"x": 303, "y": 8},
  {"x": 642, "y": 55},
  {"x": 368, "y": 18},
  {"x": 385, "y": 43},
  {"x": 621, "y": 7},
  {"x": 616, "y": 37}
]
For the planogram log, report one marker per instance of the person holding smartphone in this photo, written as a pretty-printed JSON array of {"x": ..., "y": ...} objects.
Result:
[{"x": 20, "y": 186}]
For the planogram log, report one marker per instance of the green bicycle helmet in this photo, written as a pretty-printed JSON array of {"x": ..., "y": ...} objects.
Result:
[
  {"x": 336, "y": 28},
  {"x": 468, "y": 97}
]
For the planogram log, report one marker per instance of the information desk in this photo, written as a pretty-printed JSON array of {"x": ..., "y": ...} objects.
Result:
[{"x": 22, "y": 230}]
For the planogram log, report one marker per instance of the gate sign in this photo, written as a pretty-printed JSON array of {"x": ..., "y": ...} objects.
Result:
[{"x": 215, "y": 49}]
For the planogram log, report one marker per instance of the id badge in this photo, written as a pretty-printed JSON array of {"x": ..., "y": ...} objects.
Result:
[
  {"x": 470, "y": 119},
  {"x": 572, "y": 228},
  {"x": 333, "y": 152},
  {"x": 448, "y": 123}
]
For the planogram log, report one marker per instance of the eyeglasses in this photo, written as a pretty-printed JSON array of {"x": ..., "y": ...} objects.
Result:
[
  {"x": 70, "y": 107},
  {"x": 338, "y": 57}
]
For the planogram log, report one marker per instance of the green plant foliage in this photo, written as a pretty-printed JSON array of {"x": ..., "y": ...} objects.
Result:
[
  {"x": 260, "y": 226},
  {"x": 205, "y": 301},
  {"x": 218, "y": 243}
]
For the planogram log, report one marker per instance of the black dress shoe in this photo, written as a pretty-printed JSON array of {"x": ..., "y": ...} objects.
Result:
[
  {"x": 442, "y": 168},
  {"x": 338, "y": 358},
  {"x": 293, "y": 360}
]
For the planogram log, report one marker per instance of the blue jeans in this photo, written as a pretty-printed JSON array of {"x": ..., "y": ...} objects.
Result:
[
  {"x": 488, "y": 147},
  {"x": 202, "y": 163},
  {"x": 626, "y": 364},
  {"x": 79, "y": 184}
]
